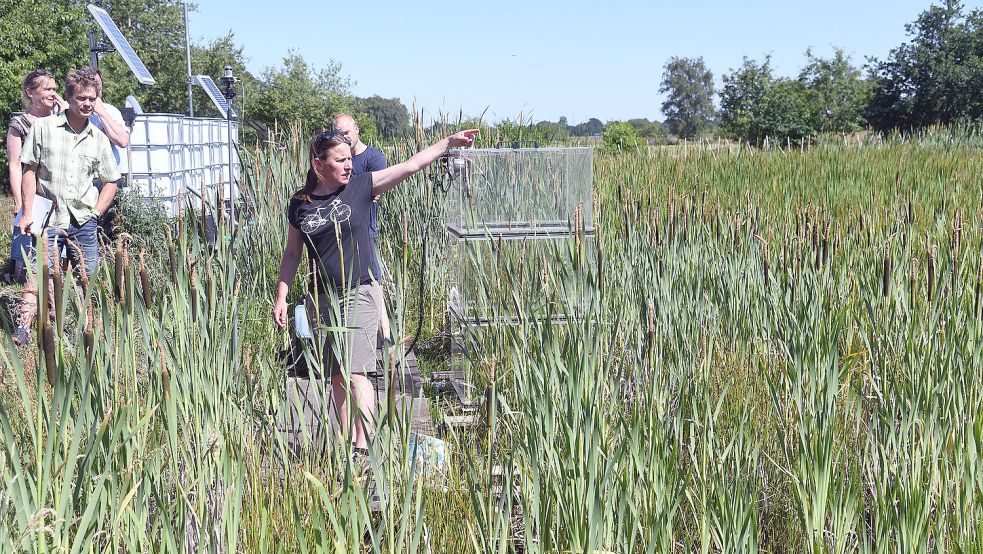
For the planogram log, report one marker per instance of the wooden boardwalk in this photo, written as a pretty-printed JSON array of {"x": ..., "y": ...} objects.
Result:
[{"x": 307, "y": 419}]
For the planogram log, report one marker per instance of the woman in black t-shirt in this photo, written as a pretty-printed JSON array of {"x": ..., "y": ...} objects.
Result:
[{"x": 330, "y": 216}]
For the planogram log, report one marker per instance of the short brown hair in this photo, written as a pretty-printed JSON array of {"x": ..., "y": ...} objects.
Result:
[{"x": 80, "y": 79}]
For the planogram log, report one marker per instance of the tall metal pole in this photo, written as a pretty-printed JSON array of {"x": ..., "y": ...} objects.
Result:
[
  {"x": 93, "y": 51},
  {"x": 187, "y": 47},
  {"x": 228, "y": 80}
]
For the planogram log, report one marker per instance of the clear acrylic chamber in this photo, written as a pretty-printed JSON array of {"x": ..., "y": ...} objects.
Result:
[
  {"x": 523, "y": 192},
  {"x": 519, "y": 222}
]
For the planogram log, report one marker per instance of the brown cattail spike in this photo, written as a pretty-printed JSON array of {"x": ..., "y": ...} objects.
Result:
[
  {"x": 119, "y": 270},
  {"x": 88, "y": 334},
  {"x": 171, "y": 255},
  {"x": 193, "y": 293},
  {"x": 48, "y": 340},
  {"x": 59, "y": 286},
  {"x": 127, "y": 282},
  {"x": 148, "y": 299}
]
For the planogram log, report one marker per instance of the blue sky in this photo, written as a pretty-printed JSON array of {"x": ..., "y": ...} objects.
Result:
[{"x": 546, "y": 59}]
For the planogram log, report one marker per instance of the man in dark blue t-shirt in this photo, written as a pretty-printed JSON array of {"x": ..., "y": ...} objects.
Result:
[{"x": 364, "y": 160}]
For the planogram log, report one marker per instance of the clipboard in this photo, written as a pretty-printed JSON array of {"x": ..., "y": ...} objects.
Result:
[
  {"x": 39, "y": 215},
  {"x": 39, "y": 220}
]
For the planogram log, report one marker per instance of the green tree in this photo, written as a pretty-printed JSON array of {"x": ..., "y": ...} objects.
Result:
[
  {"x": 510, "y": 130},
  {"x": 785, "y": 113},
  {"x": 390, "y": 115},
  {"x": 297, "y": 94},
  {"x": 689, "y": 86},
  {"x": 649, "y": 129},
  {"x": 620, "y": 136},
  {"x": 552, "y": 132},
  {"x": 744, "y": 92},
  {"x": 591, "y": 128},
  {"x": 837, "y": 91},
  {"x": 937, "y": 76},
  {"x": 755, "y": 105},
  {"x": 38, "y": 35}
]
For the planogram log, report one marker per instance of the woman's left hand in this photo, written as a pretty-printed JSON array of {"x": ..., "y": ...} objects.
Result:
[{"x": 463, "y": 138}]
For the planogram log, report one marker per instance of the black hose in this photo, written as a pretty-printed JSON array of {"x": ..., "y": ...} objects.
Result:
[
  {"x": 423, "y": 272},
  {"x": 440, "y": 183}
]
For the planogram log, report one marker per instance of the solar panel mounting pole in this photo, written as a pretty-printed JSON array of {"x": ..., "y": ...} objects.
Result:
[
  {"x": 187, "y": 48},
  {"x": 229, "y": 92},
  {"x": 96, "y": 49},
  {"x": 93, "y": 55}
]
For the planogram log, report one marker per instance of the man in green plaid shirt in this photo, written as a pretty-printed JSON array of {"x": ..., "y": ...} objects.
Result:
[{"x": 61, "y": 155}]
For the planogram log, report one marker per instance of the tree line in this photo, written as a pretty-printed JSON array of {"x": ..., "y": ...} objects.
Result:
[{"x": 933, "y": 78}]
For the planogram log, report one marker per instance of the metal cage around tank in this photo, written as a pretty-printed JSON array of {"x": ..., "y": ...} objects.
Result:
[{"x": 512, "y": 204}]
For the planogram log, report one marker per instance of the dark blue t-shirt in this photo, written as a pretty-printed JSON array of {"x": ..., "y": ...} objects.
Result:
[
  {"x": 370, "y": 160},
  {"x": 336, "y": 232}
]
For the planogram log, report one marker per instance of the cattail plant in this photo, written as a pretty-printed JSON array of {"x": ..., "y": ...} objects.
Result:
[
  {"x": 119, "y": 268},
  {"x": 171, "y": 256},
  {"x": 59, "y": 291},
  {"x": 886, "y": 284},
  {"x": 148, "y": 298},
  {"x": 46, "y": 335}
]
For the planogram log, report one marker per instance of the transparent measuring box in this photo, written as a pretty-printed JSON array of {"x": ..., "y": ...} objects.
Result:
[
  {"x": 520, "y": 192},
  {"x": 506, "y": 280}
]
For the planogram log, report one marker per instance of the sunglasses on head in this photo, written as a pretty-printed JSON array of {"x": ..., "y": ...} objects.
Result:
[
  {"x": 332, "y": 133},
  {"x": 326, "y": 136}
]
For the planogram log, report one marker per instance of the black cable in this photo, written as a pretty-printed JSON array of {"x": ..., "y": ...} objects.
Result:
[
  {"x": 423, "y": 272},
  {"x": 441, "y": 183}
]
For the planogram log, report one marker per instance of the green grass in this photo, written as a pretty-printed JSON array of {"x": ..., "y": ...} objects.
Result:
[{"x": 753, "y": 361}]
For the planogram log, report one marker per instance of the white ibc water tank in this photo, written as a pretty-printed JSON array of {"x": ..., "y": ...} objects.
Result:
[
  {"x": 178, "y": 160},
  {"x": 156, "y": 143}
]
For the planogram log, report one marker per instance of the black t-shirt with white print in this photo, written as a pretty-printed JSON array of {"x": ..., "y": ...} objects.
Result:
[{"x": 336, "y": 230}]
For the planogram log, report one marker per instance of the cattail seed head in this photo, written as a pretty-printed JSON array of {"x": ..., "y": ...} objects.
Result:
[
  {"x": 119, "y": 271},
  {"x": 48, "y": 342},
  {"x": 148, "y": 299}
]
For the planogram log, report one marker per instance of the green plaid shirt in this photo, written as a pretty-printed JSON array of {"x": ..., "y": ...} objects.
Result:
[{"x": 66, "y": 165}]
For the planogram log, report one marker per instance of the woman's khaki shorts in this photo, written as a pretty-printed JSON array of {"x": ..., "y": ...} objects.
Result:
[{"x": 347, "y": 330}]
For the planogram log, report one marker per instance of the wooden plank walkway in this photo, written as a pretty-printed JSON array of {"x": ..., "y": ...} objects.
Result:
[{"x": 307, "y": 418}]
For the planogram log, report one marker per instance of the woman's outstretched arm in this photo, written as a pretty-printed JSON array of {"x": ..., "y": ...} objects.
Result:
[{"x": 388, "y": 178}]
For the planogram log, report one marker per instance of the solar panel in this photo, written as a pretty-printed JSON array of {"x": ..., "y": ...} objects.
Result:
[
  {"x": 122, "y": 45},
  {"x": 206, "y": 82}
]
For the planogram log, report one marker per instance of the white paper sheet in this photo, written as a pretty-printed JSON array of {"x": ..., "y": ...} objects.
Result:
[{"x": 39, "y": 215}]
